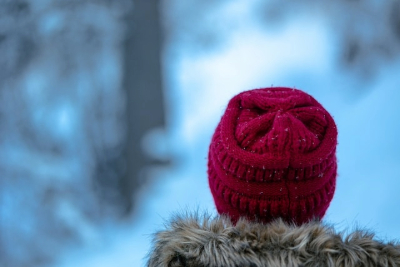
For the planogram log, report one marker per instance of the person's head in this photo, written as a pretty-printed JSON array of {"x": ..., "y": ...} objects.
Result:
[{"x": 273, "y": 155}]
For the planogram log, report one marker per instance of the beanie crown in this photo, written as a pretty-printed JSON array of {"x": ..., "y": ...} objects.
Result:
[{"x": 273, "y": 155}]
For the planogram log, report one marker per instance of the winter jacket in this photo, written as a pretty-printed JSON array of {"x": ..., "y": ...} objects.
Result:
[{"x": 195, "y": 241}]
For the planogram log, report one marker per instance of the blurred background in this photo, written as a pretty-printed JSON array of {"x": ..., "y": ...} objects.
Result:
[{"x": 107, "y": 109}]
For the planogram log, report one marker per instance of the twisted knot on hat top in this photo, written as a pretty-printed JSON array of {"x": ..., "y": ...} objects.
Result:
[{"x": 272, "y": 155}]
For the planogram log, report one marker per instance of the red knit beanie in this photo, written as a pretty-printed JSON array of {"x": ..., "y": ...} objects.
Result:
[{"x": 272, "y": 155}]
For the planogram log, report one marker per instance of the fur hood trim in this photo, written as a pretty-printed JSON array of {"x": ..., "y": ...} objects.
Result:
[{"x": 215, "y": 242}]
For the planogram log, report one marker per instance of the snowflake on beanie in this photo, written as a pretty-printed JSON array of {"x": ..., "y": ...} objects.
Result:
[{"x": 273, "y": 155}]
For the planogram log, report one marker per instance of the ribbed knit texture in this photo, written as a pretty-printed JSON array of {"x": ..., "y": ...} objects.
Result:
[{"x": 273, "y": 155}]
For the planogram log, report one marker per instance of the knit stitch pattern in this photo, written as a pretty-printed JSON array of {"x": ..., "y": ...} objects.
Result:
[{"x": 273, "y": 155}]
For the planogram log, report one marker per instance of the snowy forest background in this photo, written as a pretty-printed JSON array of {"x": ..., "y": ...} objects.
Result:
[{"x": 107, "y": 109}]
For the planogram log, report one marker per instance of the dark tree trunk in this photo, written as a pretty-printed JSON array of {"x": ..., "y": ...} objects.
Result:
[{"x": 143, "y": 84}]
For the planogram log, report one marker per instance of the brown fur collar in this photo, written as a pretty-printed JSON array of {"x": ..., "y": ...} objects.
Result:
[{"x": 216, "y": 242}]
